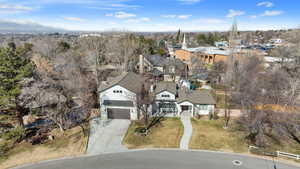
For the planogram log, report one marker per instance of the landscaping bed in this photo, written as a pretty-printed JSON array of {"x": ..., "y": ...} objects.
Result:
[{"x": 167, "y": 134}]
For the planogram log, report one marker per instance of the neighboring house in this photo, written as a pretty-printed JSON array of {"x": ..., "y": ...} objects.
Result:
[
  {"x": 173, "y": 100},
  {"x": 197, "y": 102},
  {"x": 118, "y": 97},
  {"x": 166, "y": 68}
]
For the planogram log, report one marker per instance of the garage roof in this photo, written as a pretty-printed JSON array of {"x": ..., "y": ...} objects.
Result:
[{"x": 118, "y": 103}]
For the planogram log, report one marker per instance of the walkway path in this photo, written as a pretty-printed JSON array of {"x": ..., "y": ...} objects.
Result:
[
  {"x": 107, "y": 136},
  {"x": 188, "y": 130}
]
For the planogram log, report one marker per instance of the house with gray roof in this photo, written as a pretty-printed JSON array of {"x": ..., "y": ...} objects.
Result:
[
  {"x": 168, "y": 68},
  {"x": 173, "y": 100},
  {"x": 197, "y": 102},
  {"x": 118, "y": 96}
]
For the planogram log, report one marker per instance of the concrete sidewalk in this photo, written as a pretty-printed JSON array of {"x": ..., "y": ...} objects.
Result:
[{"x": 188, "y": 131}]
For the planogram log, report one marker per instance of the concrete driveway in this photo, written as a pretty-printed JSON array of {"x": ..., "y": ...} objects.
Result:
[
  {"x": 162, "y": 159},
  {"x": 107, "y": 136}
]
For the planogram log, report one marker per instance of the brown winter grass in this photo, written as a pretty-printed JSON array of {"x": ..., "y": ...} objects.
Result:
[
  {"x": 164, "y": 135},
  {"x": 69, "y": 144},
  {"x": 210, "y": 135}
]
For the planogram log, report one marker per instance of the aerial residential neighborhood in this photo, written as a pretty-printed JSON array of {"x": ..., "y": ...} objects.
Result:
[{"x": 139, "y": 84}]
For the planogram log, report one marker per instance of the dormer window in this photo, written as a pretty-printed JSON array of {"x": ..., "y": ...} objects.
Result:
[
  {"x": 118, "y": 91},
  {"x": 165, "y": 95}
]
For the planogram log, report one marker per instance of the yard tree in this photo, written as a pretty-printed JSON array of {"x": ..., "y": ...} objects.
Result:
[
  {"x": 15, "y": 65},
  {"x": 97, "y": 47},
  {"x": 144, "y": 102}
]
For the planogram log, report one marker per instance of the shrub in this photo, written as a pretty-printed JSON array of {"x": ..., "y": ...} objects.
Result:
[
  {"x": 15, "y": 134},
  {"x": 4, "y": 147},
  {"x": 215, "y": 115}
]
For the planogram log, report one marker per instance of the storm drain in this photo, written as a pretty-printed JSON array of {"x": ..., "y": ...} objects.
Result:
[{"x": 237, "y": 162}]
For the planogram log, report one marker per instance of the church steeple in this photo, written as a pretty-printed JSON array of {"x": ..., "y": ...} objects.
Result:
[{"x": 184, "y": 45}]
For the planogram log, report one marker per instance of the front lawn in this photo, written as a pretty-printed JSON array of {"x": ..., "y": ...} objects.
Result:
[
  {"x": 165, "y": 135},
  {"x": 210, "y": 135}
]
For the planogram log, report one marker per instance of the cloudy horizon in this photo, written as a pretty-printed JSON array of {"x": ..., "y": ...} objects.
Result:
[{"x": 152, "y": 16}]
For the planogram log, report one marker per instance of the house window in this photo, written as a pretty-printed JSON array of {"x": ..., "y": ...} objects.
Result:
[
  {"x": 203, "y": 107},
  {"x": 165, "y": 95},
  {"x": 118, "y": 91}
]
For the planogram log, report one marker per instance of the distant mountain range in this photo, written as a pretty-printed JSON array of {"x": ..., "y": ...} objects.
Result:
[{"x": 14, "y": 27}]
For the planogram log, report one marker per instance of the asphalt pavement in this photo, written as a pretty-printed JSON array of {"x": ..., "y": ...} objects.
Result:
[{"x": 162, "y": 159}]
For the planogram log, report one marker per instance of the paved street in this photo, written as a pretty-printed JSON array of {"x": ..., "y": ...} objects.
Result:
[
  {"x": 107, "y": 136},
  {"x": 162, "y": 159},
  {"x": 188, "y": 130}
]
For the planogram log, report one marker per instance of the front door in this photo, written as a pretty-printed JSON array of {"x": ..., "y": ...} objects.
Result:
[{"x": 185, "y": 108}]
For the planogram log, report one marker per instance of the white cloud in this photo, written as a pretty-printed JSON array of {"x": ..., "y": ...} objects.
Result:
[
  {"x": 184, "y": 16},
  {"x": 124, "y": 6},
  {"x": 272, "y": 13},
  {"x": 109, "y": 14},
  {"x": 210, "y": 20},
  {"x": 189, "y": 2},
  {"x": 233, "y": 13},
  {"x": 176, "y": 16},
  {"x": 138, "y": 20},
  {"x": 145, "y": 19},
  {"x": 169, "y": 16},
  {"x": 121, "y": 15},
  {"x": 74, "y": 19},
  {"x": 253, "y": 16},
  {"x": 265, "y": 4},
  {"x": 9, "y": 8}
]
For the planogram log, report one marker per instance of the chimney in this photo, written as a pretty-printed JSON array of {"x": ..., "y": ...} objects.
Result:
[{"x": 141, "y": 64}]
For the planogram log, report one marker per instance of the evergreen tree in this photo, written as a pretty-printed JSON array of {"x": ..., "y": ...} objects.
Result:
[
  {"x": 14, "y": 67},
  {"x": 178, "y": 36}
]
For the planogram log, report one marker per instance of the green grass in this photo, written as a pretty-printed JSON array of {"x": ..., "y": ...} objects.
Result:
[
  {"x": 210, "y": 135},
  {"x": 165, "y": 135}
]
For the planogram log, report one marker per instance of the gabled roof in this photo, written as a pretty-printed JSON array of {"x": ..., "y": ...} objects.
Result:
[
  {"x": 156, "y": 60},
  {"x": 196, "y": 97},
  {"x": 157, "y": 72},
  {"x": 129, "y": 80},
  {"x": 165, "y": 86},
  {"x": 161, "y": 61}
]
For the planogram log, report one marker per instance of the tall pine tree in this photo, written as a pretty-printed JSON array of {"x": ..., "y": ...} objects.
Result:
[{"x": 15, "y": 65}]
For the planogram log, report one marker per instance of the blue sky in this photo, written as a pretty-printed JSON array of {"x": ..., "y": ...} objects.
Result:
[{"x": 154, "y": 15}]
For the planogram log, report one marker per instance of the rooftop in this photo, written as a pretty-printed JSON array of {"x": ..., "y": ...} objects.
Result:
[
  {"x": 165, "y": 86},
  {"x": 129, "y": 80},
  {"x": 196, "y": 97}
]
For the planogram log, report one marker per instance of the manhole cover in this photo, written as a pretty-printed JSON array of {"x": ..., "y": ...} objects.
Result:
[{"x": 237, "y": 162}]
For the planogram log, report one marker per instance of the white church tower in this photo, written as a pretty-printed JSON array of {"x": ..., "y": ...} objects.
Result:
[{"x": 184, "y": 45}]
